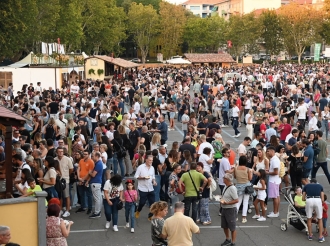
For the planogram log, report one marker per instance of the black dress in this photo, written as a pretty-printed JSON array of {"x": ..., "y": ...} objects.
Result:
[{"x": 295, "y": 175}]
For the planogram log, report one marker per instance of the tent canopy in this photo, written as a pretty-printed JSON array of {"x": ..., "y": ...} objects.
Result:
[{"x": 178, "y": 61}]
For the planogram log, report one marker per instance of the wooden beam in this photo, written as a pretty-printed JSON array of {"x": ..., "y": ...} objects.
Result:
[{"x": 8, "y": 161}]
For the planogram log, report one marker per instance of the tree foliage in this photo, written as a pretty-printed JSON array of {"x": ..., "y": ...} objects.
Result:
[
  {"x": 301, "y": 27},
  {"x": 143, "y": 24},
  {"x": 171, "y": 28}
]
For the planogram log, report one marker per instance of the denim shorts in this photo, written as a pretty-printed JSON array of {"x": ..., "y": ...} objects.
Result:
[
  {"x": 306, "y": 173},
  {"x": 324, "y": 220}
]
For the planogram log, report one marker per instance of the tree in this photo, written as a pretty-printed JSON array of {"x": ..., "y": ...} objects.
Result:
[
  {"x": 103, "y": 25},
  {"x": 271, "y": 32},
  {"x": 143, "y": 25},
  {"x": 301, "y": 26},
  {"x": 171, "y": 28}
]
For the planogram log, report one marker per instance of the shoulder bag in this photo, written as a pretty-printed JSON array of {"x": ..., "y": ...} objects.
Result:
[{"x": 199, "y": 194}]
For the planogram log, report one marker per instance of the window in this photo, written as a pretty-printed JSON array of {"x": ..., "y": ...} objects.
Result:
[{"x": 194, "y": 8}]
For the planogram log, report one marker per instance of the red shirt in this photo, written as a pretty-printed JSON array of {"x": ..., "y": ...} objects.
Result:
[
  {"x": 263, "y": 127},
  {"x": 239, "y": 103},
  {"x": 286, "y": 130},
  {"x": 325, "y": 213}
]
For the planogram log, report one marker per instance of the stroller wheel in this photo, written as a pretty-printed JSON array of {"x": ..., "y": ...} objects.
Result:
[
  {"x": 284, "y": 227},
  {"x": 249, "y": 211}
]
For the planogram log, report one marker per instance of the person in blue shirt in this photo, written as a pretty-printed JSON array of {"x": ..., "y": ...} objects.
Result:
[
  {"x": 205, "y": 88},
  {"x": 225, "y": 110},
  {"x": 162, "y": 129},
  {"x": 308, "y": 160},
  {"x": 96, "y": 181}
]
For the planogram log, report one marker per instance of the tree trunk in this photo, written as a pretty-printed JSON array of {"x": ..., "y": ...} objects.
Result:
[{"x": 299, "y": 59}]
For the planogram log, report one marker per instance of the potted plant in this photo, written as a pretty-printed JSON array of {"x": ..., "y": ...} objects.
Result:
[
  {"x": 91, "y": 71},
  {"x": 100, "y": 71}
]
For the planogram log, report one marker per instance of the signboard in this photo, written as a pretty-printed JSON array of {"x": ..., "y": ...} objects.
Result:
[{"x": 317, "y": 51}]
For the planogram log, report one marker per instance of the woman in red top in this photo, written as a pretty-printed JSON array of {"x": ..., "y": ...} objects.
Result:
[{"x": 317, "y": 97}]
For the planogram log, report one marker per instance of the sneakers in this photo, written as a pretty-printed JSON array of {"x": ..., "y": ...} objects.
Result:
[
  {"x": 321, "y": 240},
  {"x": 244, "y": 220},
  {"x": 66, "y": 214},
  {"x": 89, "y": 211},
  {"x": 127, "y": 225},
  {"x": 227, "y": 242},
  {"x": 239, "y": 134},
  {"x": 198, "y": 221},
  {"x": 115, "y": 228},
  {"x": 207, "y": 223},
  {"x": 80, "y": 210},
  {"x": 272, "y": 215},
  {"x": 310, "y": 237},
  {"x": 261, "y": 219},
  {"x": 219, "y": 213},
  {"x": 137, "y": 214},
  {"x": 132, "y": 230},
  {"x": 256, "y": 216},
  {"x": 94, "y": 215},
  {"x": 107, "y": 225}
]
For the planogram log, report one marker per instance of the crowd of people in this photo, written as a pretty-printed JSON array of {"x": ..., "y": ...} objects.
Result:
[{"x": 82, "y": 142}]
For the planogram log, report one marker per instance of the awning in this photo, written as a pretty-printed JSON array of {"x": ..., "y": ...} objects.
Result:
[{"x": 22, "y": 63}]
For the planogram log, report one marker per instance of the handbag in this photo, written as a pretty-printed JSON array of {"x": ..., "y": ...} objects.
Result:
[
  {"x": 199, "y": 194},
  {"x": 183, "y": 187},
  {"x": 120, "y": 205},
  {"x": 132, "y": 201},
  {"x": 249, "y": 190}
]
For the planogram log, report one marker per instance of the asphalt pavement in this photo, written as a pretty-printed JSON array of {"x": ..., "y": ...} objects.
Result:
[{"x": 92, "y": 232}]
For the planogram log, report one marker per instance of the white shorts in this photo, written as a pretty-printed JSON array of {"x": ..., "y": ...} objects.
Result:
[
  {"x": 261, "y": 195},
  {"x": 314, "y": 204}
]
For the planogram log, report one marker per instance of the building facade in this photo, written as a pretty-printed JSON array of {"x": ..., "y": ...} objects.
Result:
[
  {"x": 202, "y": 8},
  {"x": 225, "y": 8}
]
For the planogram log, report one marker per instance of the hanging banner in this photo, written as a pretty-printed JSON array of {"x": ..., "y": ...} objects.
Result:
[{"x": 317, "y": 51}]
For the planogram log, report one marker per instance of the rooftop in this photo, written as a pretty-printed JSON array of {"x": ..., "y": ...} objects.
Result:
[
  {"x": 205, "y": 2},
  {"x": 209, "y": 58},
  {"x": 117, "y": 61},
  {"x": 7, "y": 113}
]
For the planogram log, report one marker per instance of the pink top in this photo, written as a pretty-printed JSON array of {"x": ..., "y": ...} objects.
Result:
[{"x": 127, "y": 196}]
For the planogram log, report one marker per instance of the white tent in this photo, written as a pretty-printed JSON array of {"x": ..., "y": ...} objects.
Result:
[{"x": 178, "y": 61}]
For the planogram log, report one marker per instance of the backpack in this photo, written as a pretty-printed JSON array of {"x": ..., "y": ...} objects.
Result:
[
  {"x": 249, "y": 156},
  {"x": 50, "y": 132},
  {"x": 71, "y": 133},
  {"x": 282, "y": 170},
  {"x": 299, "y": 165},
  {"x": 319, "y": 124},
  {"x": 121, "y": 152},
  {"x": 60, "y": 184}
]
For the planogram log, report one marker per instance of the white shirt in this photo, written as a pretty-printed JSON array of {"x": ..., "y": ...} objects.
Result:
[
  {"x": 145, "y": 185},
  {"x": 113, "y": 191},
  {"x": 274, "y": 162},
  {"x": 131, "y": 116},
  {"x": 235, "y": 111},
  {"x": 74, "y": 89},
  {"x": 224, "y": 166},
  {"x": 247, "y": 104},
  {"x": 64, "y": 102},
  {"x": 163, "y": 107},
  {"x": 61, "y": 125},
  {"x": 302, "y": 110},
  {"x": 137, "y": 107},
  {"x": 105, "y": 155},
  {"x": 204, "y": 159},
  {"x": 312, "y": 124},
  {"x": 204, "y": 145},
  {"x": 241, "y": 149}
]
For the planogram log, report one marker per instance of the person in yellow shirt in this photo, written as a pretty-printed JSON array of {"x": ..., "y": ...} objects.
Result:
[
  {"x": 298, "y": 202},
  {"x": 33, "y": 187}
]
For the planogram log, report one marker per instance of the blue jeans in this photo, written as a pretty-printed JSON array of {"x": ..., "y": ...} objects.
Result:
[
  {"x": 144, "y": 196},
  {"x": 129, "y": 212},
  {"x": 85, "y": 193},
  {"x": 324, "y": 166},
  {"x": 157, "y": 188},
  {"x": 215, "y": 169},
  {"x": 111, "y": 210},
  {"x": 179, "y": 116},
  {"x": 184, "y": 134},
  {"x": 225, "y": 118},
  {"x": 51, "y": 193},
  {"x": 191, "y": 201},
  {"x": 325, "y": 127},
  {"x": 235, "y": 125},
  {"x": 117, "y": 160}
]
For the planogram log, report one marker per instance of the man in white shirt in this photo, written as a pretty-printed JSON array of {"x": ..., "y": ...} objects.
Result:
[
  {"x": 185, "y": 120},
  {"x": 235, "y": 115},
  {"x": 38, "y": 87},
  {"x": 301, "y": 111},
  {"x": 163, "y": 107},
  {"x": 204, "y": 145},
  {"x": 217, "y": 107},
  {"x": 137, "y": 107},
  {"x": 312, "y": 124},
  {"x": 224, "y": 167},
  {"x": 274, "y": 181},
  {"x": 145, "y": 174},
  {"x": 74, "y": 88},
  {"x": 61, "y": 123},
  {"x": 131, "y": 114},
  {"x": 242, "y": 147}
]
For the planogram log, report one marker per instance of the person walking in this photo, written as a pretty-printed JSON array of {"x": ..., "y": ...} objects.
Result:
[
  {"x": 145, "y": 174},
  {"x": 313, "y": 194},
  {"x": 229, "y": 210},
  {"x": 131, "y": 196},
  {"x": 192, "y": 181},
  {"x": 235, "y": 116},
  {"x": 321, "y": 159},
  {"x": 178, "y": 228}
]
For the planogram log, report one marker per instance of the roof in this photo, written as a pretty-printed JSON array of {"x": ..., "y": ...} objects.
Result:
[
  {"x": 7, "y": 113},
  {"x": 117, "y": 61},
  {"x": 209, "y": 58},
  {"x": 304, "y": 1},
  {"x": 22, "y": 63},
  {"x": 200, "y": 2}
]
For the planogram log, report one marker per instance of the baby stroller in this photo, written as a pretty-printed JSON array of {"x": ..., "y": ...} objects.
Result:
[{"x": 294, "y": 217}]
